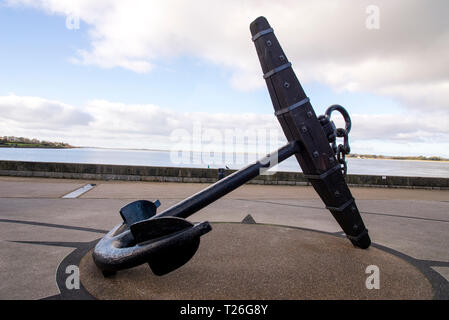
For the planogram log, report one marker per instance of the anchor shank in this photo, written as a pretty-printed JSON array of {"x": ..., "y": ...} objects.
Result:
[
  {"x": 298, "y": 120},
  {"x": 222, "y": 187}
]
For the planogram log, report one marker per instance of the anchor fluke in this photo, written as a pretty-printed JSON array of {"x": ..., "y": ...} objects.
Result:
[
  {"x": 165, "y": 243},
  {"x": 177, "y": 241}
]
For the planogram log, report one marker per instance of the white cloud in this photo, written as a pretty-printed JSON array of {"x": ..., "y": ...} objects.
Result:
[
  {"x": 103, "y": 123},
  {"x": 326, "y": 40},
  {"x": 411, "y": 127},
  {"x": 38, "y": 113}
]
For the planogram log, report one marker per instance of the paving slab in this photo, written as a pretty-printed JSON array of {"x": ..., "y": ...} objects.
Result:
[
  {"x": 155, "y": 190},
  {"x": 306, "y": 213},
  {"x": 28, "y": 270},
  {"x": 34, "y": 189}
]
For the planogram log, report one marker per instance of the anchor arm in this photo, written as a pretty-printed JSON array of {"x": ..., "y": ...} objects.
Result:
[{"x": 222, "y": 187}]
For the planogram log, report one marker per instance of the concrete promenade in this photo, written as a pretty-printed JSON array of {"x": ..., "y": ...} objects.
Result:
[{"x": 39, "y": 228}]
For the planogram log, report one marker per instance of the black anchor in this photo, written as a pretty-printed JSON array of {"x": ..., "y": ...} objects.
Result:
[{"x": 166, "y": 240}]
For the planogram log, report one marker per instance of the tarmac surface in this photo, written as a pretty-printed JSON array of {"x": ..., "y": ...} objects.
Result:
[{"x": 40, "y": 232}]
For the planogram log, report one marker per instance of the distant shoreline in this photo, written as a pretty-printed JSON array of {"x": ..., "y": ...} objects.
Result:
[
  {"x": 409, "y": 158},
  {"x": 28, "y": 146},
  {"x": 21, "y": 142}
]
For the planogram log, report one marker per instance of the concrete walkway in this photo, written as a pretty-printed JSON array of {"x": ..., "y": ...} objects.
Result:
[{"x": 38, "y": 228}]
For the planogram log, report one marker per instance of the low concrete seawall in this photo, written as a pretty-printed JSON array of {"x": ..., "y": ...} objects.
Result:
[{"x": 199, "y": 175}]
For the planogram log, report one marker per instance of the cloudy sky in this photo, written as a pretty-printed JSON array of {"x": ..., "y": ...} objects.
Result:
[{"x": 129, "y": 74}]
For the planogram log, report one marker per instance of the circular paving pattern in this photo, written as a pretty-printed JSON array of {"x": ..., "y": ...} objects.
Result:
[{"x": 255, "y": 261}]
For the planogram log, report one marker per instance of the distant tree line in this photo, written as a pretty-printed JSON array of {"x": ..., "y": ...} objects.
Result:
[
  {"x": 21, "y": 142},
  {"x": 375, "y": 156}
]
